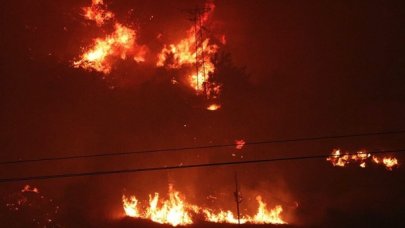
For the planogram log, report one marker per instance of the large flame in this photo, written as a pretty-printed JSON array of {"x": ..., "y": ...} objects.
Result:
[
  {"x": 361, "y": 158},
  {"x": 184, "y": 53},
  {"x": 196, "y": 51},
  {"x": 176, "y": 211},
  {"x": 265, "y": 216},
  {"x": 130, "y": 206},
  {"x": 119, "y": 44}
]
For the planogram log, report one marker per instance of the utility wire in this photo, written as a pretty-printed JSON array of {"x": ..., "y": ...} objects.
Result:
[
  {"x": 122, "y": 171},
  {"x": 174, "y": 149}
]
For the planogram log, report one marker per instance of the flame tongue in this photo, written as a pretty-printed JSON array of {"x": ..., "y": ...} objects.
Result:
[
  {"x": 173, "y": 211},
  {"x": 264, "y": 216}
]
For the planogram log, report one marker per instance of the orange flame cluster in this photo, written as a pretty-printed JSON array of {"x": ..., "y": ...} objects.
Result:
[
  {"x": 194, "y": 51},
  {"x": 184, "y": 53},
  {"x": 119, "y": 44},
  {"x": 361, "y": 158},
  {"x": 176, "y": 211}
]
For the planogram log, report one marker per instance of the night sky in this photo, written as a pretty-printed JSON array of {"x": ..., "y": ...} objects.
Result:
[{"x": 289, "y": 69}]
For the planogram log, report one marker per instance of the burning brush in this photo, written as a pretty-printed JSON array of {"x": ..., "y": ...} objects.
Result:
[
  {"x": 176, "y": 211},
  {"x": 361, "y": 158}
]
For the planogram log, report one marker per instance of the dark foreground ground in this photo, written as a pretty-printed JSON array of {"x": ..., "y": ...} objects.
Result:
[
  {"x": 130, "y": 223},
  {"x": 344, "y": 222}
]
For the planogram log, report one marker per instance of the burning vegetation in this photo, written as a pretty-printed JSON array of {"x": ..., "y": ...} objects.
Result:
[
  {"x": 195, "y": 52},
  {"x": 175, "y": 210},
  {"x": 361, "y": 158}
]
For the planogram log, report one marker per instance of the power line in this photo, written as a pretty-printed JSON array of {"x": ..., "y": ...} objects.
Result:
[
  {"x": 201, "y": 165},
  {"x": 271, "y": 141}
]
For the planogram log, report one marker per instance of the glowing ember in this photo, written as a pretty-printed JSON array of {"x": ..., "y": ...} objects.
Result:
[
  {"x": 139, "y": 53},
  {"x": 28, "y": 188},
  {"x": 213, "y": 107},
  {"x": 361, "y": 158},
  {"x": 239, "y": 144},
  {"x": 176, "y": 211}
]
